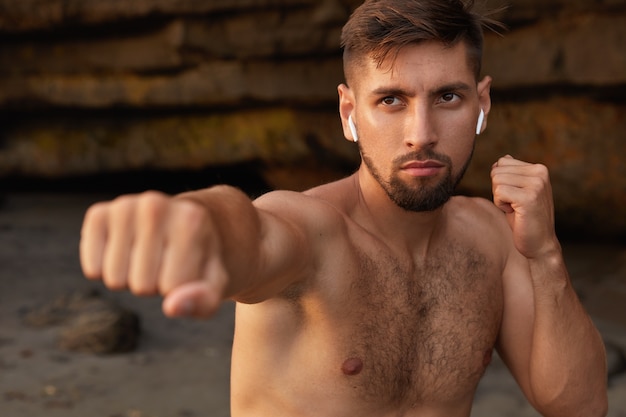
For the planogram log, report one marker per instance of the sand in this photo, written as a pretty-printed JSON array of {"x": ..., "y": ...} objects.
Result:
[{"x": 181, "y": 367}]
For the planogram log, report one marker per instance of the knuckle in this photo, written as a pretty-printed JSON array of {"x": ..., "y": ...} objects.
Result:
[
  {"x": 94, "y": 222},
  {"x": 542, "y": 171},
  {"x": 190, "y": 214},
  {"x": 152, "y": 200},
  {"x": 122, "y": 207},
  {"x": 95, "y": 212},
  {"x": 151, "y": 209},
  {"x": 503, "y": 161},
  {"x": 124, "y": 202},
  {"x": 537, "y": 184}
]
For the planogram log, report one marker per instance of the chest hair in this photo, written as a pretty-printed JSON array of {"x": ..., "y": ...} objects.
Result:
[{"x": 422, "y": 328}]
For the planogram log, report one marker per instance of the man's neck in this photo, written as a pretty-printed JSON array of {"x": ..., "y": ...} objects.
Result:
[{"x": 398, "y": 227}]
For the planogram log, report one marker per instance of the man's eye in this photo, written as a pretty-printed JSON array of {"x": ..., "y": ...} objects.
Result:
[
  {"x": 449, "y": 98},
  {"x": 390, "y": 101}
]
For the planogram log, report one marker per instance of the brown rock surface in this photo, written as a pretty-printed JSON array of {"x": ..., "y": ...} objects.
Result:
[
  {"x": 44, "y": 14},
  {"x": 215, "y": 84},
  {"x": 583, "y": 49},
  {"x": 91, "y": 145},
  {"x": 88, "y": 86},
  {"x": 588, "y": 176}
]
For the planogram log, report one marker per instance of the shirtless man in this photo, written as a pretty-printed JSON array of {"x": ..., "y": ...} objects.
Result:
[{"x": 379, "y": 294}]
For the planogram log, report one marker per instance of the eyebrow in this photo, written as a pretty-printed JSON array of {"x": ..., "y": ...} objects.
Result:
[
  {"x": 459, "y": 86},
  {"x": 393, "y": 91},
  {"x": 397, "y": 91}
]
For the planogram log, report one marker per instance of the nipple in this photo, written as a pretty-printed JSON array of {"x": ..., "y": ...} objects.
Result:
[{"x": 352, "y": 366}]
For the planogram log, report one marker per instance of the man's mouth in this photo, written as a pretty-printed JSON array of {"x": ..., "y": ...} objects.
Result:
[{"x": 427, "y": 168}]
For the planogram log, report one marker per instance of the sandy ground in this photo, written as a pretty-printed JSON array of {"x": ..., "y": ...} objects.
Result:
[{"x": 181, "y": 367}]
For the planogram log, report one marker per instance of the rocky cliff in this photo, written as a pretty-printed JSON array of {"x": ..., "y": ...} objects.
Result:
[{"x": 93, "y": 86}]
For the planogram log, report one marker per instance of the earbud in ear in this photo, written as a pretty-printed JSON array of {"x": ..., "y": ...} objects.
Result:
[
  {"x": 481, "y": 119},
  {"x": 355, "y": 136}
]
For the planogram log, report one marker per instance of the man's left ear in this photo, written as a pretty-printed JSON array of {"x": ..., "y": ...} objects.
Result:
[{"x": 484, "y": 101}]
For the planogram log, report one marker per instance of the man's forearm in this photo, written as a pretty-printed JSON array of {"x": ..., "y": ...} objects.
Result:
[
  {"x": 238, "y": 231},
  {"x": 568, "y": 362}
]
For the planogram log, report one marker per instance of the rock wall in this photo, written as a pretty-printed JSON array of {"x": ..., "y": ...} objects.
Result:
[{"x": 92, "y": 86}]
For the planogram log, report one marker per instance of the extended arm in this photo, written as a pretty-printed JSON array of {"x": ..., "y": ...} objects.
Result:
[
  {"x": 196, "y": 249},
  {"x": 547, "y": 338}
]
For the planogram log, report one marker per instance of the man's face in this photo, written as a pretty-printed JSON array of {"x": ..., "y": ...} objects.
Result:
[{"x": 420, "y": 113}]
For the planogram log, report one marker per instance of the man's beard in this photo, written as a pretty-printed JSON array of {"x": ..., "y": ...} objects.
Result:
[{"x": 419, "y": 195}]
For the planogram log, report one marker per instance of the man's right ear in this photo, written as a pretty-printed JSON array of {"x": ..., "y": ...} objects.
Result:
[{"x": 346, "y": 108}]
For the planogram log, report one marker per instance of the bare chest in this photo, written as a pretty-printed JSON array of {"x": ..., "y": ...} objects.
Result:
[{"x": 423, "y": 332}]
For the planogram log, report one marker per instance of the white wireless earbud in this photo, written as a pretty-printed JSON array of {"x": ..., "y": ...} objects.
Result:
[
  {"x": 355, "y": 136},
  {"x": 481, "y": 119}
]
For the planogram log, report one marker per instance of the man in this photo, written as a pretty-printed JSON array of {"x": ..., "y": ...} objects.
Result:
[{"x": 379, "y": 294}]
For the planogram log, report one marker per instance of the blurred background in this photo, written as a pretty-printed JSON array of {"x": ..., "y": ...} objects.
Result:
[
  {"x": 175, "y": 95},
  {"x": 103, "y": 97}
]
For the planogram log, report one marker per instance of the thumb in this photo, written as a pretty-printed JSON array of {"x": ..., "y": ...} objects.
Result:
[
  {"x": 199, "y": 299},
  {"x": 505, "y": 206}
]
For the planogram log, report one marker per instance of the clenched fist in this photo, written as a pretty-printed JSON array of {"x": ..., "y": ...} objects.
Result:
[
  {"x": 523, "y": 191},
  {"x": 152, "y": 244}
]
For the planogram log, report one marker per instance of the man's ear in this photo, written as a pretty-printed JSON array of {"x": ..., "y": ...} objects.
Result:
[
  {"x": 346, "y": 108},
  {"x": 484, "y": 99}
]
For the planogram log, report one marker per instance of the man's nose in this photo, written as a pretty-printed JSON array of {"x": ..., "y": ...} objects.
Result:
[{"x": 420, "y": 130}]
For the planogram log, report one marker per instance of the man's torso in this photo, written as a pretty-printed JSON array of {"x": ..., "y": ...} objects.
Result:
[{"x": 373, "y": 332}]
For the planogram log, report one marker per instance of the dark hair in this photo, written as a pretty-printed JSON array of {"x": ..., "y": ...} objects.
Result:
[{"x": 380, "y": 28}]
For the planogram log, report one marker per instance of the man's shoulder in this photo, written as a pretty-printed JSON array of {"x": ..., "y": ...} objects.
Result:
[
  {"x": 478, "y": 215},
  {"x": 336, "y": 194},
  {"x": 479, "y": 223},
  {"x": 474, "y": 205},
  {"x": 319, "y": 208}
]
